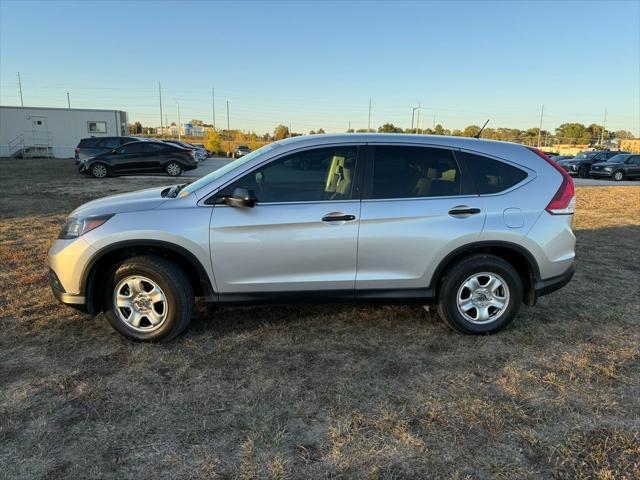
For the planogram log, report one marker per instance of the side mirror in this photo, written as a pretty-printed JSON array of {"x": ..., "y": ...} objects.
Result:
[{"x": 241, "y": 197}]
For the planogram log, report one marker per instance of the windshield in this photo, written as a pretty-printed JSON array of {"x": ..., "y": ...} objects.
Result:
[
  {"x": 618, "y": 159},
  {"x": 226, "y": 169}
]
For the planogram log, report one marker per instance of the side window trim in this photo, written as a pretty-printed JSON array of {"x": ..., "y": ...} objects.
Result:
[
  {"x": 356, "y": 189},
  {"x": 468, "y": 188},
  {"x": 531, "y": 174}
]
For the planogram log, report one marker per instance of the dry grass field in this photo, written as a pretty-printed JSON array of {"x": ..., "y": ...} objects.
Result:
[{"x": 319, "y": 391}]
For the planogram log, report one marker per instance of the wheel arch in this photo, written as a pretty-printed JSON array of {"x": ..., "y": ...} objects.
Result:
[
  {"x": 103, "y": 261},
  {"x": 521, "y": 259}
]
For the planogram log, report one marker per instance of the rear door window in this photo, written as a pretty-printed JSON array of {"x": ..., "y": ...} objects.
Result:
[
  {"x": 134, "y": 147},
  {"x": 492, "y": 176},
  {"x": 414, "y": 172}
]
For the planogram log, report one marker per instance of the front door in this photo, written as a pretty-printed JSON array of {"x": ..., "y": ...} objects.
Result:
[
  {"x": 301, "y": 236},
  {"x": 127, "y": 158},
  {"x": 417, "y": 206}
]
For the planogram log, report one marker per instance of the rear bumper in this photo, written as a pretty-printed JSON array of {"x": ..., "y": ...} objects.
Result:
[{"x": 550, "y": 285}]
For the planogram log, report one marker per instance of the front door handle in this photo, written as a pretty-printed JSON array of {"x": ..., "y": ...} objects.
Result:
[
  {"x": 463, "y": 210},
  {"x": 338, "y": 217}
]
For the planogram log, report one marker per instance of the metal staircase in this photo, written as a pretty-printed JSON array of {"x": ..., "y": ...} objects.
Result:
[{"x": 31, "y": 144}]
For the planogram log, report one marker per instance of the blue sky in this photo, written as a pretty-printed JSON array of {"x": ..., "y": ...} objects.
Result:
[{"x": 316, "y": 64}]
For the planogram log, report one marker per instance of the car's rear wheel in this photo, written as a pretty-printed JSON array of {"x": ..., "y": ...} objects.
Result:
[
  {"x": 618, "y": 175},
  {"x": 583, "y": 172},
  {"x": 148, "y": 298},
  {"x": 480, "y": 294},
  {"x": 173, "y": 169},
  {"x": 99, "y": 170}
]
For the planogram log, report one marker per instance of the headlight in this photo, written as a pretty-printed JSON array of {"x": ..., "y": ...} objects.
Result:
[
  {"x": 607, "y": 169},
  {"x": 77, "y": 226}
]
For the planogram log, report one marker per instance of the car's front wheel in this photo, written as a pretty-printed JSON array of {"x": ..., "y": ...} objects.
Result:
[
  {"x": 481, "y": 293},
  {"x": 148, "y": 298},
  {"x": 99, "y": 170},
  {"x": 173, "y": 169},
  {"x": 618, "y": 175}
]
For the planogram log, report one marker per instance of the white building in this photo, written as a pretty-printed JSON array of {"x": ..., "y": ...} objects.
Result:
[{"x": 41, "y": 131}]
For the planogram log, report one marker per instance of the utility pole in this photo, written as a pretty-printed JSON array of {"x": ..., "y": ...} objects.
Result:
[
  {"x": 179, "y": 129},
  {"x": 434, "y": 121},
  {"x": 228, "y": 128},
  {"x": 369, "y": 121},
  {"x": 418, "y": 119},
  {"x": 349, "y": 129},
  {"x": 213, "y": 107},
  {"x": 68, "y": 102},
  {"x": 604, "y": 125},
  {"x": 289, "y": 129},
  {"x": 540, "y": 128},
  {"x": 160, "y": 97},
  {"x": 20, "y": 88}
]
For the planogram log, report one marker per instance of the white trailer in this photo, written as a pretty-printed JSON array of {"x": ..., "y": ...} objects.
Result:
[{"x": 55, "y": 132}]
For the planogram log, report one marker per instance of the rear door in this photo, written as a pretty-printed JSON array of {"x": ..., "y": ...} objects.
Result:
[
  {"x": 634, "y": 166},
  {"x": 418, "y": 204},
  {"x": 151, "y": 159},
  {"x": 126, "y": 158},
  {"x": 301, "y": 236}
]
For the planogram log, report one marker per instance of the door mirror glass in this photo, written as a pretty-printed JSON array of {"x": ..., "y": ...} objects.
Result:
[{"x": 241, "y": 197}]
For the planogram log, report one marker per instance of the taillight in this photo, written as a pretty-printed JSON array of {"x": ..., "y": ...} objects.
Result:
[
  {"x": 564, "y": 200},
  {"x": 77, "y": 149},
  {"x": 190, "y": 152}
]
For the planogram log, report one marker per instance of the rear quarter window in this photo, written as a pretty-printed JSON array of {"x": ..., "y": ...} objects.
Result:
[
  {"x": 492, "y": 176},
  {"x": 89, "y": 142}
]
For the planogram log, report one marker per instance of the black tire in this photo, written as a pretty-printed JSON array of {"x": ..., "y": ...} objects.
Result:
[
  {"x": 99, "y": 170},
  {"x": 454, "y": 278},
  {"x": 584, "y": 171},
  {"x": 618, "y": 175},
  {"x": 174, "y": 284},
  {"x": 173, "y": 169}
]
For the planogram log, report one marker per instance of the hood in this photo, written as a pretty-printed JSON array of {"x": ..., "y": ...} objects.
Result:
[{"x": 125, "y": 202}]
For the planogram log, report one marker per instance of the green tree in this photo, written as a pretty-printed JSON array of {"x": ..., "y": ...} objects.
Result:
[
  {"x": 389, "y": 128},
  {"x": 312, "y": 132},
  {"x": 280, "y": 132},
  {"x": 439, "y": 130},
  {"x": 471, "y": 131},
  {"x": 321, "y": 130},
  {"x": 213, "y": 142},
  {"x": 572, "y": 133},
  {"x": 623, "y": 135}
]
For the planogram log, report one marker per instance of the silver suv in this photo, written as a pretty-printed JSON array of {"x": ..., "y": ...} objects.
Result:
[{"x": 475, "y": 227}]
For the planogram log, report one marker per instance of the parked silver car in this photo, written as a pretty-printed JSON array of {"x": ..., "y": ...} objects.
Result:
[{"x": 475, "y": 227}]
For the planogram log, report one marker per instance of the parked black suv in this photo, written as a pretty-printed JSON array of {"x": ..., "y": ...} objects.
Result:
[
  {"x": 618, "y": 167},
  {"x": 140, "y": 157},
  {"x": 90, "y": 147},
  {"x": 581, "y": 163}
]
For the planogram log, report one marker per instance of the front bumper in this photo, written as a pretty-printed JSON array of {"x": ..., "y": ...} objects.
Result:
[
  {"x": 600, "y": 173},
  {"x": 550, "y": 285},
  {"x": 73, "y": 300}
]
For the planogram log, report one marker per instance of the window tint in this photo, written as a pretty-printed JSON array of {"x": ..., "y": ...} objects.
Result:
[
  {"x": 110, "y": 143},
  {"x": 152, "y": 147},
  {"x": 89, "y": 142},
  {"x": 134, "y": 147},
  {"x": 312, "y": 175},
  {"x": 405, "y": 172},
  {"x": 492, "y": 176}
]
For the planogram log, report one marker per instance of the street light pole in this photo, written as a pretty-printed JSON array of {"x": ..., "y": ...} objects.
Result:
[
  {"x": 68, "y": 102},
  {"x": 413, "y": 112}
]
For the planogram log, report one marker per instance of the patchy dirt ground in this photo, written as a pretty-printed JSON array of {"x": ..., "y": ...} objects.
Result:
[{"x": 318, "y": 392}]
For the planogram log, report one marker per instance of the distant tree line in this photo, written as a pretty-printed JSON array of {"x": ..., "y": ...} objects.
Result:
[{"x": 222, "y": 140}]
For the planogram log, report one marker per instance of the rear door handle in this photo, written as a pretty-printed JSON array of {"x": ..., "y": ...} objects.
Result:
[
  {"x": 463, "y": 210},
  {"x": 338, "y": 217}
]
